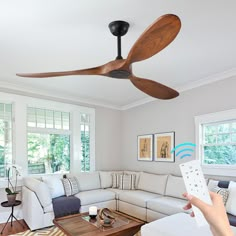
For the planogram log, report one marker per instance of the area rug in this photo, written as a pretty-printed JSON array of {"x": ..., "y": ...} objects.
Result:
[{"x": 53, "y": 231}]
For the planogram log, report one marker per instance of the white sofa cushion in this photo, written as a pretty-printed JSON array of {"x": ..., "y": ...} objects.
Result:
[
  {"x": 167, "y": 205},
  {"x": 231, "y": 202},
  {"x": 116, "y": 191},
  {"x": 55, "y": 185},
  {"x": 176, "y": 225},
  {"x": 41, "y": 190},
  {"x": 106, "y": 179},
  {"x": 212, "y": 184},
  {"x": 88, "y": 181},
  {"x": 137, "y": 197},
  {"x": 175, "y": 187},
  {"x": 152, "y": 183},
  {"x": 94, "y": 196}
]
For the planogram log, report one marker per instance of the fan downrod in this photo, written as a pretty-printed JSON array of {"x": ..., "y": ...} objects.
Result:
[{"x": 119, "y": 28}]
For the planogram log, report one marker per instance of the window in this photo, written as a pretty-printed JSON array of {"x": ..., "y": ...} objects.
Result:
[
  {"x": 85, "y": 142},
  {"x": 48, "y": 141},
  {"x": 219, "y": 143},
  {"x": 216, "y": 139},
  {"x": 5, "y": 136}
]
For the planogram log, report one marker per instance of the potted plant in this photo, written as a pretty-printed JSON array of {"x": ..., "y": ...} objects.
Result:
[{"x": 11, "y": 189}]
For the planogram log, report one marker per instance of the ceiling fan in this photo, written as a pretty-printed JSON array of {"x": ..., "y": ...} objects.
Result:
[{"x": 155, "y": 38}]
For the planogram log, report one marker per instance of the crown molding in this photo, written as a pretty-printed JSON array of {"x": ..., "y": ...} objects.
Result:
[
  {"x": 138, "y": 103},
  {"x": 208, "y": 80},
  {"x": 52, "y": 95},
  {"x": 204, "y": 81}
]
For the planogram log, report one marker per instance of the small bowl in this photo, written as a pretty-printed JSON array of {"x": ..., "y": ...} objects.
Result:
[{"x": 106, "y": 224}]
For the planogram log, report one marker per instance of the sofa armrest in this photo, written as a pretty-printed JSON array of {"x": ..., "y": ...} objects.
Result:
[{"x": 33, "y": 213}]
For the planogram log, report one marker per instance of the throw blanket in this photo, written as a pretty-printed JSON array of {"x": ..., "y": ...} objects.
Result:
[{"x": 64, "y": 206}]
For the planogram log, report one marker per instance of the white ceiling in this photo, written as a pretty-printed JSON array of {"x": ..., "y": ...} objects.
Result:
[{"x": 61, "y": 35}]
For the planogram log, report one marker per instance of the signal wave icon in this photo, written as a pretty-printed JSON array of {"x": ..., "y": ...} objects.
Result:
[{"x": 187, "y": 148}]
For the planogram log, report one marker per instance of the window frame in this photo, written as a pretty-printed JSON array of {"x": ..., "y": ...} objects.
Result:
[
  {"x": 217, "y": 117},
  {"x": 19, "y": 129},
  {"x": 45, "y": 130},
  {"x": 13, "y": 149}
]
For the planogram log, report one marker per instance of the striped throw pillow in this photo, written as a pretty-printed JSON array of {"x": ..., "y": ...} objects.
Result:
[
  {"x": 127, "y": 182},
  {"x": 223, "y": 192},
  {"x": 115, "y": 180},
  {"x": 70, "y": 185}
]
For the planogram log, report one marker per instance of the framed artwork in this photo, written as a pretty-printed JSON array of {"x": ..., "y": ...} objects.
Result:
[
  {"x": 145, "y": 147},
  {"x": 163, "y": 144}
]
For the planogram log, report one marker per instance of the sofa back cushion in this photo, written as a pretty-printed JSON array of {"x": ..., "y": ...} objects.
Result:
[
  {"x": 41, "y": 190},
  {"x": 175, "y": 187},
  {"x": 152, "y": 183},
  {"x": 212, "y": 184},
  {"x": 106, "y": 179},
  {"x": 55, "y": 185},
  {"x": 88, "y": 181}
]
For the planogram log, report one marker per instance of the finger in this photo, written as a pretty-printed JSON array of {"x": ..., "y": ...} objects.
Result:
[
  {"x": 204, "y": 207},
  {"x": 192, "y": 214},
  {"x": 216, "y": 199},
  {"x": 187, "y": 206}
]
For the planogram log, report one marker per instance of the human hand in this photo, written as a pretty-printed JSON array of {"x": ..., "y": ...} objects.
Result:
[{"x": 215, "y": 214}]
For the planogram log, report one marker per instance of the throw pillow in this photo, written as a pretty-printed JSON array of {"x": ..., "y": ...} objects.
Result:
[
  {"x": 70, "y": 185},
  {"x": 223, "y": 192},
  {"x": 55, "y": 185},
  {"x": 212, "y": 184},
  {"x": 231, "y": 203},
  {"x": 127, "y": 182},
  {"x": 106, "y": 179},
  {"x": 116, "y": 180}
]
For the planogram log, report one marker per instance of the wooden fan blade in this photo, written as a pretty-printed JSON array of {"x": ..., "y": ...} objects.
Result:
[
  {"x": 156, "y": 37},
  {"x": 89, "y": 71},
  {"x": 154, "y": 88}
]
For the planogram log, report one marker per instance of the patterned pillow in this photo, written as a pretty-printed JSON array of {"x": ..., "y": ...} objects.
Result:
[
  {"x": 115, "y": 180},
  {"x": 223, "y": 192},
  {"x": 70, "y": 185},
  {"x": 127, "y": 182}
]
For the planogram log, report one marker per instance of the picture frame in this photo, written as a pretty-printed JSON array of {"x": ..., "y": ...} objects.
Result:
[
  {"x": 163, "y": 144},
  {"x": 145, "y": 147}
]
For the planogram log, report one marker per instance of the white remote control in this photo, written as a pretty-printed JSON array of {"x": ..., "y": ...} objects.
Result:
[{"x": 196, "y": 185}]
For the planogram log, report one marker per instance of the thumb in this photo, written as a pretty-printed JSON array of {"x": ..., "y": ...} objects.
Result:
[{"x": 197, "y": 203}]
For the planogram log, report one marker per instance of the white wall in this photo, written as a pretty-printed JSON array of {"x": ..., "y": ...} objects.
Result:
[
  {"x": 173, "y": 115},
  {"x": 108, "y": 139}
]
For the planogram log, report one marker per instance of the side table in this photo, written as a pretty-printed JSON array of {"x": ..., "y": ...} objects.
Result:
[{"x": 12, "y": 205}]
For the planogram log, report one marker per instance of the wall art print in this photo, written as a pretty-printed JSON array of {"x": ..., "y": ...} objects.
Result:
[
  {"x": 163, "y": 144},
  {"x": 145, "y": 147}
]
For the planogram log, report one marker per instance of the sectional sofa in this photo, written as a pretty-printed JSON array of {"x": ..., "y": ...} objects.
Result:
[{"x": 153, "y": 197}]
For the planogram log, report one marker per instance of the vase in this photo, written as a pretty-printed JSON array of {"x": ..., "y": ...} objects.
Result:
[{"x": 11, "y": 198}]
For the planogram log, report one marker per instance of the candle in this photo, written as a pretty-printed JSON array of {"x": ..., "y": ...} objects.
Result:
[{"x": 93, "y": 211}]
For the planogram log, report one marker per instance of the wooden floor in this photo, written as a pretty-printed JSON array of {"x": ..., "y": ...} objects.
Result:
[{"x": 16, "y": 228}]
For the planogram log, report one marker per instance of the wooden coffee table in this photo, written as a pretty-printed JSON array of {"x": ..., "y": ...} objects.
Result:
[{"x": 81, "y": 224}]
